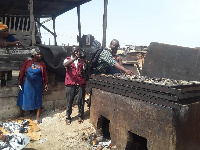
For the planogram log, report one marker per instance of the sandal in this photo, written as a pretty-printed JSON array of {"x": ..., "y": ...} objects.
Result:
[
  {"x": 39, "y": 121},
  {"x": 80, "y": 120},
  {"x": 68, "y": 122}
]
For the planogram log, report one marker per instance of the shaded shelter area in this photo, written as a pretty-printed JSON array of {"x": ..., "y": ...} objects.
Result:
[
  {"x": 23, "y": 20},
  {"x": 42, "y": 8},
  {"x": 27, "y": 13}
]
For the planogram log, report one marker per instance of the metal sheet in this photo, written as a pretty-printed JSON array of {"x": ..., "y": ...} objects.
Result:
[{"x": 173, "y": 62}]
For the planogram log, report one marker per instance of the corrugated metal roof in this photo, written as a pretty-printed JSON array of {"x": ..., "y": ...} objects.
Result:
[{"x": 42, "y": 8}]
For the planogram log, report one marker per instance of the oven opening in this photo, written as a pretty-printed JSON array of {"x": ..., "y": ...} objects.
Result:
[
  {"x": 136, "y": 142},
  {"x": 103, "y": 127}
]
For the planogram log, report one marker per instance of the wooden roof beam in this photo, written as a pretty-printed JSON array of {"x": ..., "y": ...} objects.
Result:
[{"x": 46, "y": 28}]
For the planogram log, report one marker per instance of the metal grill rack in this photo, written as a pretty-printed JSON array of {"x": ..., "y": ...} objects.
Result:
[{"x": 163, "y": 91}]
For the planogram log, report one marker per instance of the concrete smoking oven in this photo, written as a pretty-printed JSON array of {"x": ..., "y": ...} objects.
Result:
[{"x": 158, "y": 110}]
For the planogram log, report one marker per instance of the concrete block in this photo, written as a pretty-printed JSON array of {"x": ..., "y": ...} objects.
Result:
[
  {"x": 9, "y": 112},
  {"x": 9, "y": 91},
  {"x": 8, "y": 101}
]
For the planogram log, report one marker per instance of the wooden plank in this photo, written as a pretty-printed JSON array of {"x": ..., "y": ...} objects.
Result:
[
  {"x": 18, "y": 24},
  {"x": 27, "y": 23},
  {"x": 23, "y": 24},
  {"x": 5, "y": 21},
  {"x": 9, "y": 24},
  {"x": 14, "y": 23}
]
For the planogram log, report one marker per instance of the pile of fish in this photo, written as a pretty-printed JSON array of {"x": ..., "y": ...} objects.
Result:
[
  {"x": 13, "y": 126},
  {"x": 159, "y": 81},
  {"x": 14, "y": 142}
]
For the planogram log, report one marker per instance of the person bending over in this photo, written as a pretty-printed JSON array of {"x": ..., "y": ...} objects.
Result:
[{"x": 106, "y": 60}]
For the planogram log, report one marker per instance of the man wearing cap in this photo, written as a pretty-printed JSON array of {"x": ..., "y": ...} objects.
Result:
[
  {"x": 6, "y": 39},
  {"x": 106, "y": 60}
]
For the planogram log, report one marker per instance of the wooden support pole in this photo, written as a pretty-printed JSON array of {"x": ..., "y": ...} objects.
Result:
[
  {"x": 27, "y": 23},
  {"x": 38, "y": 26},
  {"x": 55, "y": 42},
  {"x": 5, "y": 21},
  {"x": 10, "y": 24},
  {"x": 23, "y": 24},
  {"x": 104, "y": 23},
  {"x": 79, "y": 26},
  {"x": 32, "y": 22},
  {"x": 19, "y": 22},
  {"x": 45, "y": 28},
  {"x": 14, "y": 24}
]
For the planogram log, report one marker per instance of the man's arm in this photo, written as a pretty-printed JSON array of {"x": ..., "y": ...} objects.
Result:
[
  {"x": 120, "y": 67},
  {"x": 119, "y": 59},
  {"x": 12, "y": 41},
  {"x": 15, "y": 43},
  {"x": 68, "y": 62}
]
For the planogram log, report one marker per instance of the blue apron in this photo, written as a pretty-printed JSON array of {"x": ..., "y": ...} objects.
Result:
[{"x": 30, "y": 97}]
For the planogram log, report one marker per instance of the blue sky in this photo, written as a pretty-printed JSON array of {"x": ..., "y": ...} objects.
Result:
[{"x": 133, "y": 22}]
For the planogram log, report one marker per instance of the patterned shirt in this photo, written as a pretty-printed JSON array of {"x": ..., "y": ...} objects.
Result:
[{"x": 105, "y": 60}]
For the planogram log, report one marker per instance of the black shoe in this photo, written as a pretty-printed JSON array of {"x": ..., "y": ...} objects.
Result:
[
  {"x": 68, "y": 121},
  {"x": 80, "y": 120}
]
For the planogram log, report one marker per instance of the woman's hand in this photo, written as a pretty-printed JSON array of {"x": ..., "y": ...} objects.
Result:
[
  {"x": 19, "y": 82},
  {"x": 46, "y": 87}
]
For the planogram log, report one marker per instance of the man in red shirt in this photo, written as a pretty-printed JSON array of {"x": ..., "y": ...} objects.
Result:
[{"x": 74, "y": 83}]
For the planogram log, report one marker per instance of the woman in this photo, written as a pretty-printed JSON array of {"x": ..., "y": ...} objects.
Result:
[
  {"x": 6, "y": 39},
  {"x": 32, "y": 76}
]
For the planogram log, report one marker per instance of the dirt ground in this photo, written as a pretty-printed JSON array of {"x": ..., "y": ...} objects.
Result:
[
  {"x": 60, "y": 136},
  {"x": 56, "y": 135}
]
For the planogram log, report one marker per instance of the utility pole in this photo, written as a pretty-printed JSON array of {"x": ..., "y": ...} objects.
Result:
[
  {"x": 104, "y": 23},
  {"x": 79, "y": 26}
]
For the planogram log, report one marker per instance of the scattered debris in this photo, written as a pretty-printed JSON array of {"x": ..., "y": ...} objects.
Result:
[
  {"x": 98, "y": 141},
  {"x": 42, "y": 141},
  {"x": 14, "y": 141}
]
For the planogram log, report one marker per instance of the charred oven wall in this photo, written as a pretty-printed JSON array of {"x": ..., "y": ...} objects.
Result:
[{"x": 163, "y": 127}]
